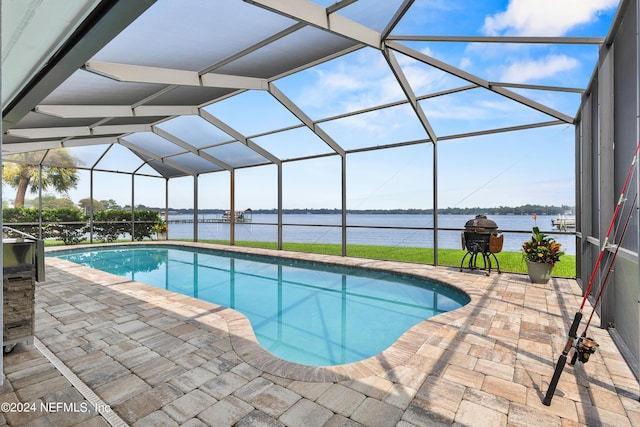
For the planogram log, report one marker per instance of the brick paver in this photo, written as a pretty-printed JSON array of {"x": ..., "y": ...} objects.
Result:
[{"x": 157, "y": 358}]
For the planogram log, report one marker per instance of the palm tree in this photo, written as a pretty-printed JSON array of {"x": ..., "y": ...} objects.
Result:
[{"x": 25, "y": 174}]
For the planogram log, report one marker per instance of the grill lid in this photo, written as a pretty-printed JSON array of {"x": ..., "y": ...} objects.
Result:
[{"x": 481, "y": 223}]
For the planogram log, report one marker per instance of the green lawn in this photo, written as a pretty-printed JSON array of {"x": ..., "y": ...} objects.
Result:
[{"x": 509, "y": 261}]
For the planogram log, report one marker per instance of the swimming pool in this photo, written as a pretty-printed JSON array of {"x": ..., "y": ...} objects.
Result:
[{"x": 304, "y": 312}]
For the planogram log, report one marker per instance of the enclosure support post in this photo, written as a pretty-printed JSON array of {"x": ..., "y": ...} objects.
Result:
[
  {"x": 435, "y": 203},
  {"x": 195, "y": 208},
  {"x": 40, "y": 200},
  {"x": 232, "y": 209},
  {"x": 279, "y": 166},
  {"x": 606, "y": 164},
  {"x": 166, "y": 201},
  {"x": 91, "y": 206},
  {"x": 133, "y": 206},
  {"x": 344, "y": 204}
]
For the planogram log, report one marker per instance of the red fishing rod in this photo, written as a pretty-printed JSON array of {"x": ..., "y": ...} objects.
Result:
[
  {"x": 613, "y": 259},
  {"x": 573, "y": 330},
  {"x": 613, "y": 221},
  {"x": 587, "y": 346}
]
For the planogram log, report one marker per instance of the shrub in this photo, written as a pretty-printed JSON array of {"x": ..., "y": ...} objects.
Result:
[
  {"x": 71, "y": 226},
  {"x": 145, "y": 221},
  {"x": 13, "y": 216},
  {"x": 66, "y": 224}
]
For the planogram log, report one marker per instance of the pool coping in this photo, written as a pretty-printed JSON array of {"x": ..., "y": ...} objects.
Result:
[{"x": 247, "y": 347}]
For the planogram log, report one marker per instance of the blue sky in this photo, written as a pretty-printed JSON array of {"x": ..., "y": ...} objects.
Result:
[{"x": 504, "y": 169}]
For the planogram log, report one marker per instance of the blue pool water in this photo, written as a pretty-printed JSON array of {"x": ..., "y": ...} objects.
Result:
[{"x": 304, "y": 312}]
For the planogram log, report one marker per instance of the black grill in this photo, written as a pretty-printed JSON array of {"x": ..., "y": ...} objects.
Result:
[
  {"x": 475, "y": 241},
  {"x": 481, "y": 237}
]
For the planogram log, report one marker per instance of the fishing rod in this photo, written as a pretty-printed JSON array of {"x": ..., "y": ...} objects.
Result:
[
  {"x": 562, "y": 360},
  {"x": 613, "y": 221},
  {"x": 587, "y": 346}
]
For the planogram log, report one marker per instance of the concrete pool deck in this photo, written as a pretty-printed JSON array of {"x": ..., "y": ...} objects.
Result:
[{"x": 147, "y": 357}]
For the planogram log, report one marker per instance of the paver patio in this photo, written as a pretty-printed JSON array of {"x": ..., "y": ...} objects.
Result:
[{"x": 155, "y": 358}]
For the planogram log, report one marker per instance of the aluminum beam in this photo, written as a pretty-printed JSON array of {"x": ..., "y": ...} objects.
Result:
[
  {"x": 26, "y": 147},
  {"x": 479, "y": 81},
  {"x": 538, "y": 87},
  {"x": 238, "y": 136},
  {"x": 317, "y": 16},
  {"x": 402, "y": 9},
  {"x": 91, "y": 111},
  {"x": 302, "y": 116},
  {"x": 501, "y": 39},
  {"x": 85, "y": 111},
  {"x": 104, "y": 153},
  {"x": 165, "y": 110},
  {"x": 119, "y": 129},
  {"x": 451, "y": 137},
  {"x": 47, "y": 133},
  {"x": 72, "y": 131},
  {"x": 169, "y": 76},
  {"x": 83, "y": 142},
  {"x": 179, "y": 142},
  {"x": 287, "y": 31},
  {"x": 411, "y": 96},
  {"x": 233, "y": 82},
  {"x": 136, "y": 148},
  {"x": 501, "y": 130},
  {"x": 143, "y": 74}
]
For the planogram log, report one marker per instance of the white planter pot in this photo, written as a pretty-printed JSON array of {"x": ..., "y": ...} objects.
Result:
[{"x": 539, "y": 272}]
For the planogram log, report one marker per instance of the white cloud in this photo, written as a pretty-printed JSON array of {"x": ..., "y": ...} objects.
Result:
[
  {"x": 339, "y": 81},
  {"x": 366, "y": 82},
  {"x": 353, "y": 84},
  {"x": 545, "y": 17},
  {"x": 524, "y": 71},
  {"x": 465, "y": 63}
]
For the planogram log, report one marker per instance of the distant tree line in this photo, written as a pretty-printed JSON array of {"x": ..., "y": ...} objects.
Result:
[
  {"x": 500, "y": 210},
  {"x": 52, "y": 202},
  {"x": 509, "y": 210}
]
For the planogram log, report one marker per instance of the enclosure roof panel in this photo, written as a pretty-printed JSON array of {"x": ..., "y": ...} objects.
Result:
[{"x": 191, "y": 87}]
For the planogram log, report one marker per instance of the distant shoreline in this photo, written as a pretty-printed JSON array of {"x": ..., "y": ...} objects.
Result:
[{"x": 502, "y": 210}]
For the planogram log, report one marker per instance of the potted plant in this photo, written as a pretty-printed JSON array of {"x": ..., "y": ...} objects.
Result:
[
  {"x": 541, "y": 253},
  {"x": 160, "y": 228}
]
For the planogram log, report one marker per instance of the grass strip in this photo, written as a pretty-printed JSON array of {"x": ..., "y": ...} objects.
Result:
[{"x": 509, "y": 261}]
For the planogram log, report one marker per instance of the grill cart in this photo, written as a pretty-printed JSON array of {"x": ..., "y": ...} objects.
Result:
[{"x": 482, "y": 240}]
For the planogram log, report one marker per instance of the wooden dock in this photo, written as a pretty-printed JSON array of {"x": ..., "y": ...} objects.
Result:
[
  {"x": 240, "y": 217},
  {"x": 208, "y": 221}
]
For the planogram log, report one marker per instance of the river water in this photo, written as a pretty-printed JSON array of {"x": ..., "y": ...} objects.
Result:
[{"x": 325, "y": 228}]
